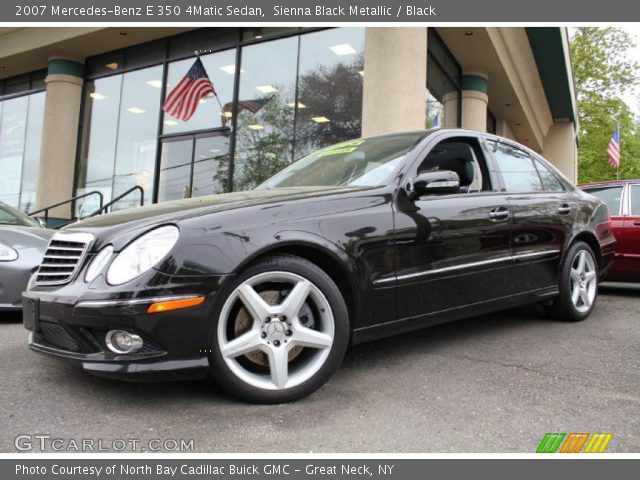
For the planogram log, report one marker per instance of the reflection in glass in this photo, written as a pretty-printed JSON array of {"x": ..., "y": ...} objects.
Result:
[
  {"x": 31, "y": 163},
  {"x": 193, "y": 167},
  {"x": 210, "y": 165},
  {"x": 265, "y": 121},
  {"x": 120, "y": 129},
  {"x": 221, "y": 70},
  {"x": 358, "y": 163},
  {"x": 137, "y": 131},
  {"x": 175, "y": 183},
  {"x": 435, "y": 112},
  {"x": 329, "y": 88},
  {"x": 13, "y": 124},
  {"x": 518, "y": 172}
]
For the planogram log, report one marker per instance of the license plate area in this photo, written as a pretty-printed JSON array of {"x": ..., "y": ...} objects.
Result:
[{"x": 31, "y": 313}]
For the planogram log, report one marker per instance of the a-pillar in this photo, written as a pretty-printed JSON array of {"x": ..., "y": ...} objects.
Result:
[{"x": 59, "y": 134}]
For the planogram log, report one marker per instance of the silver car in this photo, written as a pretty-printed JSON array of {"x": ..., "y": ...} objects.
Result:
[{"x": 23, "y": 242}]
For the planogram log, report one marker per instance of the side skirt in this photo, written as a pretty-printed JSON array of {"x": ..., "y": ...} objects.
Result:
[{"x": 374, "y": 332}]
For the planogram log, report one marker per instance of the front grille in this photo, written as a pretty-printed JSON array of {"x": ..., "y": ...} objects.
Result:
[
  {"x": 63, "y": 258},
  {"x": 58, "y": 336}
]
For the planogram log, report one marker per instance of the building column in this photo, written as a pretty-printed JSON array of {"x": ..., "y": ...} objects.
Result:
[
  {"x": 560, "y": 149},
  {"x": 395, "y": 80},
  {"x": 474, "y": 102},
  {"x": 450, "y": 109},
  {"x": 59, "y": 135}
]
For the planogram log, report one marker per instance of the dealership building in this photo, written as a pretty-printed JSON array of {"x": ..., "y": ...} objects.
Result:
[{"x": 80, "y": 108}]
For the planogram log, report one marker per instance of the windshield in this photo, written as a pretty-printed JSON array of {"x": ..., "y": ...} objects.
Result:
[
  {"x": 11, "y": 216},
  {"x": 362, "y": 163}
]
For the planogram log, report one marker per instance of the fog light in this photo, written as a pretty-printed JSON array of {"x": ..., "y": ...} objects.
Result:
[{"x": 120, "y": 341}]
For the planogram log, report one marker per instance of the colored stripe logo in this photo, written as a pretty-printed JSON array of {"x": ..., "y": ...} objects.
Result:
[{"x": 574, "y": 442}]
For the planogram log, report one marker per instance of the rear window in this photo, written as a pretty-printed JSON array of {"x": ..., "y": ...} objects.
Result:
[{"x": 612, "y": 196}]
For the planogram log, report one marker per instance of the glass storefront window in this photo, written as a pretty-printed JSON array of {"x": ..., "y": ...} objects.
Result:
[
  {"x": 137, "y": 131},
  {"x": 286, "y": 110},
  {"x": 13, "y": 124},
  {"x": 267, "y": 94},
  {"x": 221, "y": 68},
  {"x": 296, "y": 94},
  {"x": 330, "y": 83},
  {"x": 20, "y": 138},
  {"x": 31, "y": 162},
  {"x": 120, "y": 133},
  {"x": 435, "y": 112}
]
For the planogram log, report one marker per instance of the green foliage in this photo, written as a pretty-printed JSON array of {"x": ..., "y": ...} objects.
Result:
[{"x": 602, "y": 74}]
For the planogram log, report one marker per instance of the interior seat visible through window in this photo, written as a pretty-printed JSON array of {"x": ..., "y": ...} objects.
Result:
[{"x": 458, "y": 155}]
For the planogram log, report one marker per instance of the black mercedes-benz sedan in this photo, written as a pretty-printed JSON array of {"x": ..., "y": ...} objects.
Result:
[{"x": 264, "y": 290}]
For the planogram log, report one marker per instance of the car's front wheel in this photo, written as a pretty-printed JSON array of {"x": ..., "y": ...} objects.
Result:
[
  {"x": 578, "y": 285},
  {"x": 281, "y": 332}
]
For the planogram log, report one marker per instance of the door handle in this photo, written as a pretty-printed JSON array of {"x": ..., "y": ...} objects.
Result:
[
  {"x": 564, "y": 209},
  {"x": 499, "y": 213},
  {"x": 637, "y": 223}
]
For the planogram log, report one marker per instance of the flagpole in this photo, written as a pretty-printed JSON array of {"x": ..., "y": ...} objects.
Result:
[{"x": 619, "y": 150}]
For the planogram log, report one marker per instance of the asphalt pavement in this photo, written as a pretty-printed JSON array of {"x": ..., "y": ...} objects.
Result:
[{"x": 495, "y": 383}]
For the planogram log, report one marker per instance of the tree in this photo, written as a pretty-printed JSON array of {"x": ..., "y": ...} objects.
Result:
[
  {"x": 269, "y": 138},
  {"x": 602, "y": 73}
]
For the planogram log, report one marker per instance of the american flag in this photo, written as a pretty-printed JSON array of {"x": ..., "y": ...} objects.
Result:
[
  {"x": 613, "y": 150},
  {"x": 183, "y": 100}
]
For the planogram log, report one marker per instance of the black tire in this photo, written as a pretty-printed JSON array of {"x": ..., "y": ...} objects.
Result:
[
  {"x": 563, "y": 307},
  {"x": 231, "y": 383}
]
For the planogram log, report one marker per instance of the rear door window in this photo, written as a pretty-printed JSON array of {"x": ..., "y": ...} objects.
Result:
[
  {"x": 518, "y": 171},
  {"x": 550, "y": 181}
]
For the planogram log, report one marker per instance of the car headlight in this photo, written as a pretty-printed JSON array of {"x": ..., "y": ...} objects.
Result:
[
  {"x": 98, "y": 263},
  {"x": 7, "y": 254},
  {"x": 142, "y": 254}
]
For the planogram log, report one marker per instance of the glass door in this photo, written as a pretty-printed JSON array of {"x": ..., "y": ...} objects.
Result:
[{"x": 193, "y": 165}]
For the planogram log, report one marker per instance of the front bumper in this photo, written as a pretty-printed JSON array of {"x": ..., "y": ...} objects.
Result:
[{"x": 73, "y": 328}]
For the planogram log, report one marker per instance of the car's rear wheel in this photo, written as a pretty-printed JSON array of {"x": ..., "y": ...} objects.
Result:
[
  {"x": 578, "y": 285},
  {"x": 281, "y": 331}
]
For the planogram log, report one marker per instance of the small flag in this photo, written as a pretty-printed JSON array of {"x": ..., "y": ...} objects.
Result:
[
  {"x": 436, "y": 121},
  {"x": 613, "y": 150},
  {"x": 183, "y": 100},
  {"x": 250, "y": 105}
]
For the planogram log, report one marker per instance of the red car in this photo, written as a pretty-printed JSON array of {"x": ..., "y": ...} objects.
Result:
[{"x": 623, "y": 199}]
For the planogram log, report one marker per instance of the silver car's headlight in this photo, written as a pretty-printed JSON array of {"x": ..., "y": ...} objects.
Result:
[
  {"x": 142, "y": 254},
  {"x": 7, "y": 254}
]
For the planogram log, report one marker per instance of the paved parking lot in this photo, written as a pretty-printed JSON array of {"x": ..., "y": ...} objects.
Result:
[{"x": 496, "y": 383}]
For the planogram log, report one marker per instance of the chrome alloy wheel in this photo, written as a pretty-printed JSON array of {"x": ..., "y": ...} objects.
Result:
[
  {"x": 584, "y": 282},
  {"x": 276, "y": 330}
]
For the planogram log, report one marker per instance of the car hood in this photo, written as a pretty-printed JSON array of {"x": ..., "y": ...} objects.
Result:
[
  {"x": 133, "y": 220},
  {"x": 19, "y": 237}
]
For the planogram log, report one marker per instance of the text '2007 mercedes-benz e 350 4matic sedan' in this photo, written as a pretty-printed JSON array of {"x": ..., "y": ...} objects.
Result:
[{"x": 264, "y": 290}]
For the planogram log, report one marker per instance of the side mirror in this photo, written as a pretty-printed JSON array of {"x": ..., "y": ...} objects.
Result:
[
  {"x": 439, "y": 181},
  {"x": 41, "y": 222}
]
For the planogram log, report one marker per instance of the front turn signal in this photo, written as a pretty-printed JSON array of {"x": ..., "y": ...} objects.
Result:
[{"x": 179, "y": 304}]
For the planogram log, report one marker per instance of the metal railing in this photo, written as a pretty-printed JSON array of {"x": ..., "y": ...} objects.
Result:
[
  {"x": 64, "y": 202},
  {"x": 105, "y": 208}
]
